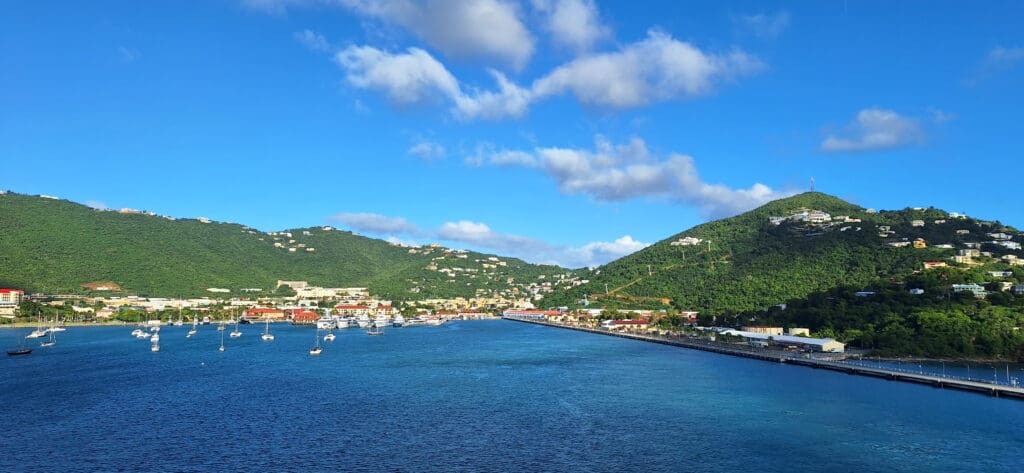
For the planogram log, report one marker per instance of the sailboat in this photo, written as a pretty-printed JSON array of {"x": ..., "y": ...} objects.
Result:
[
  {"x": 221, "y": 341},
  {"x": 39, "y": 332},
  {"x": 329, "y": 337},
  {"x": 156, "y": 343},
  {"x": 179, "y": 322},
  {"x": 267, "y": 336},
  {"x": 21, "y": 350},
  {"x": 51, "y": 342},
  {"x": 316, "y": 346},
  {"x": 374, "y": 330},
  {"x": 195, "y": 327},
  {"x": 236, "y": 333},
  {"x": 57, "y": 327}
]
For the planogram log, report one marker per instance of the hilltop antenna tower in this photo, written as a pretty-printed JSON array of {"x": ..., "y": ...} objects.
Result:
[{"x": 812, "y": 183}]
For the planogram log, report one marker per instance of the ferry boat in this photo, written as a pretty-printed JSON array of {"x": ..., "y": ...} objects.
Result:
[
  {"x": 341, "y": 322},
  {"x": 380, "y": 321},
  {"x": 325, "y": 323},
  {"x": 363, "y": 321}
]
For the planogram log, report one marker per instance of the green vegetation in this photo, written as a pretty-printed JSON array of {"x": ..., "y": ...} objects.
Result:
[
  {"x": 752, "y": 265},
  {"x": 55, "y": 246}
]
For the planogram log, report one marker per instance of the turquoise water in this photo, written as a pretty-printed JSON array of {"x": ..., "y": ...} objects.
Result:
[{"x": 471, "y": 396}]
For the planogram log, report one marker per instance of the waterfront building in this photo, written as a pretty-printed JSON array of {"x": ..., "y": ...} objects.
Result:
[
  {"x": 764, "y": 330},
  {"x": 11, "y": 296},
  {"x": 826, "y": 345}
]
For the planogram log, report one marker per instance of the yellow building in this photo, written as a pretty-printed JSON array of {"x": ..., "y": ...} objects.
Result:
[{"x": 920, "y": 244}]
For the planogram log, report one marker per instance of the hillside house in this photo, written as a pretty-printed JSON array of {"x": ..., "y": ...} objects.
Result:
[
  {"x": 920, "y": 244},
  {"x": 262, "y": 313},
  {"x": 935, "y": 264},
  {"x": 1018, "y": 290},
  {"x": 978, "y": 290},
  {"x": 686, "y": 241},
  {"x": 1001, "y": 274},
  {"x": 1000, "y": 236},
  {"x": 1010, "y": 245},
  {"x": 963, "y": 232},
  {"x": 916, "y": 291},
  {"x": 917, "y": 223}
]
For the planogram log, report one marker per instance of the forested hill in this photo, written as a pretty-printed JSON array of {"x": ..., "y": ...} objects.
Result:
[
  {"x": 51, "y": 245},
  {"x": 751, "y": 261}
]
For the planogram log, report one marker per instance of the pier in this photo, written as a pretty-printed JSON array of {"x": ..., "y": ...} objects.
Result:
[{"x": 778, "y": 356}]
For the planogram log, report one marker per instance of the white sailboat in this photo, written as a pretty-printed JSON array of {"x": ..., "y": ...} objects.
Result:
[
  {"x": 195, "y": 327},
  {"x": 221, "y": 341},
  {"x": 39, "y": 332},
  {"x": 237, "y": 333},
  {"x": 316, "y": 350},
  {"x": 329, "y": 337},
  {"x": 57, "y": 327},
  {"x": 51, "y": 342},
  {"x": 156, "y": 343},
  {"x": 267, "y": 336}
]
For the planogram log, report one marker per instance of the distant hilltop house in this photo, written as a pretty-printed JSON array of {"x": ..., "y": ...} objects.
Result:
[
  {"x": 917, "y": 223},
  {"x": 1010, "y": 245},
  {"x": 218, "y": 290},
  {"x": 686, "y": 241},
  {"x": 935, "y": 264},
  {"x": 1000, "y": 236},
  {"x": 920, "y": 244},
  {"x": 203, "y": 220}
]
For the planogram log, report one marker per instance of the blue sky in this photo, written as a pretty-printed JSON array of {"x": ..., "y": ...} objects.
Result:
[{"x": 567, "y": 131}]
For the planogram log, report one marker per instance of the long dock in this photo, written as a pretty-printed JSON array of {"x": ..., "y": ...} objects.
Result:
[{"x": 776, "y": 356}]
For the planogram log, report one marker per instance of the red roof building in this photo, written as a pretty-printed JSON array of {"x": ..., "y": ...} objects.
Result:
[
  {"x": 303, "y": 317},
  {"x": 11, "y": 296},
  {"x": 264, "y": 313}
]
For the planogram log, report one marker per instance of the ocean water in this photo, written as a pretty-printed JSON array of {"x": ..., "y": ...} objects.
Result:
[{"x": 471, "y": 396}]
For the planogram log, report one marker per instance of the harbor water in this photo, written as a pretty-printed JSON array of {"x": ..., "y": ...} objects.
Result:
[{"x": 471, "y": 396}]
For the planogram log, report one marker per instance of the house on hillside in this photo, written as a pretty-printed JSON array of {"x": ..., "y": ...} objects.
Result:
[
  {"x": 917, "y": 223},
  {"x": 978, "y": 290},
  {"x": 935, "y": 264}
]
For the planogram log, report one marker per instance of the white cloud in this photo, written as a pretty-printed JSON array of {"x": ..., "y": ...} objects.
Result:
[
  {"x": 470, "y": 29},
  {"x": 427, "y": 150},
  {"x": 764, "y": 25},
  {"x": 312, "y": 40},
  {"x": 415, "y": 77},
  {"x": 482, "y": 236},
  {"x": 575, "y": 24},
  {"x": 95, "y": 204},
  {"x": 375, "y": 223},
  {"x": 875, "y": 129},
  {"x": 659, "y": 68},
  {"x": 941, "y": 116},
  {"x": 621, "y": 172},
  {"x": 1001, "y": 56},
  {"x": 128, "y": 54}
]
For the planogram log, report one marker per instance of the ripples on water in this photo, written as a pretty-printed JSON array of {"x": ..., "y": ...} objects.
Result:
[{"x": 471, "y": 396}]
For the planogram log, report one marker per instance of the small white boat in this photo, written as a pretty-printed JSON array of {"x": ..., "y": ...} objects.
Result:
[
  {"x": 56, "y": 328},
  {"x": 267, "y": 336},
  {"x": 137, "y": 332},
  {"x": 39, "y": 333},
  {"x": 316, "y": 350},
  {"x": 195, "y": 328},
  {"x": 155, "y": 338},
  {"x": 398, "y": 321},
  {"x": 221, "y": 341},
  {"x": 142, "y": 335},
  {"x": 237, "y": 333},
  {"x": 380, "y": 321},
  {"x": 51, "y": 342},
  {"x": 341, "y": 322},
  {"x": 329, "y": 337},
  {"x": 155, "y": 347},
  {"x": 363, "y": 321}
]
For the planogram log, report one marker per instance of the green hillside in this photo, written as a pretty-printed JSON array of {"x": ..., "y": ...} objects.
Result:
[
  {"x": 753, "y": 264},
  {"x": 50, "y": 245}
]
